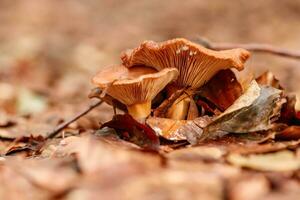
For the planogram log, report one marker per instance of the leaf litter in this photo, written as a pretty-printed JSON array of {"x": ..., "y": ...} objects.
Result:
[
  {"x": 245, "y": 118},
  {"x": 243, "y": 141}
]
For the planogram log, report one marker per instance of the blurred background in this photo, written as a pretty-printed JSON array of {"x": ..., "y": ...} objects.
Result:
[{"x": 50, "y": 49}]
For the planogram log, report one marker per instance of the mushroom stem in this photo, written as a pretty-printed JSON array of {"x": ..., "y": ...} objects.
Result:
[
  {"x": 140, "y": 111},
  {"x": 180, "y": 107}
]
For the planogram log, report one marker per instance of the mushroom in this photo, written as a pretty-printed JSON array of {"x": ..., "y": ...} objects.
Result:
[
  {"x": 196, "y": 64},
  {"x": 134, "y": 87}
]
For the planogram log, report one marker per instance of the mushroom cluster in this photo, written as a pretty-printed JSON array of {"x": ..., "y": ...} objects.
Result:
[{"x": 151, "y": 73}]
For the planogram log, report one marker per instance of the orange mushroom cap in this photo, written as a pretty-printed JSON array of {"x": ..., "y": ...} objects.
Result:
[
  {"x": 196, "y": 64},
  {"x": 135, "y": 85}
]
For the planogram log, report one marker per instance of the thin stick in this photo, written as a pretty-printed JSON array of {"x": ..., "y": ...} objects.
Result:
[
  {"x": 254, "y": 47},
  {"x": 60, "y": 127}
]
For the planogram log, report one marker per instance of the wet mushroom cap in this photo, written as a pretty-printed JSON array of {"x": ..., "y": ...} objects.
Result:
[
  {"x": 135, "y": 85},
  {"x": 196, "y": 64}
]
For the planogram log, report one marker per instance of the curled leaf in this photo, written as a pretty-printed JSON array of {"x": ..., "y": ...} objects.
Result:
[
  {"x": 178, "y": 129},
  {"x": 30, "y": 145},
  {"x": 251, "y": 112},
  {"x": 167, "y": 128},
  {"x": 290, "y": 133},
  {"x": 288, "y": 112},
  {"x": 268, "y": 78},
  {"x": 133, "y": 131},
  {"x": 250, "y": 95},
  {"x": 222, "y": 90}
]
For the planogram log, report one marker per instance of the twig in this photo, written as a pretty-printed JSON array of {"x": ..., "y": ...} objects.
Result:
[
  {"x": 60, "y": 127},
  {"x": 254, "y": 47}
]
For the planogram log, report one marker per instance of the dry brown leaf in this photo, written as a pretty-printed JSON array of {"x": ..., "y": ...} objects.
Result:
[
  {"x": 278, "y": 161},
  {"x": 290, "y": 133},
  {"x": 178, "y": 129},
  {"x": 253, "y": 111},
  {"x": 288, "y": 112},
  {"x": 167, "y": 184},
  {"x": 16, "y": 186},
  {"x": 167, "y": 128},
  {"x": 55, "y": 176},
  {"x": 248, "y": 187},
  {"x": 26, "y": 128},
  {"x": 269, "y": 79},
  {"x": 222, "y": 90},
  {"x": 197, "y": 153},
  {"x": 96, "y": 156}
]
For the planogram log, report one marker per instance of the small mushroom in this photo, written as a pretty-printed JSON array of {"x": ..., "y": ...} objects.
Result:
[
  {"x": 135, "y": 87},
  {"x": 196, "y": 64}
]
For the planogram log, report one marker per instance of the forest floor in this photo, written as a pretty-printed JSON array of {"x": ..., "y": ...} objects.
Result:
[{"x": 48, "y": 53}]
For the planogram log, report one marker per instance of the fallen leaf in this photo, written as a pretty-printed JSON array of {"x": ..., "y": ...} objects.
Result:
[
  {"x": 110, "y": 136},
  {"x": 248, "y": 187},
  {"x": 298, "y": 115},
  {"x": 16, "y": 186},
  {"x": 254, "y": 147},
  {"x": 278, "y": 161},
  {"x": 269, "y": 79},
  {"x": 251, "y": 94},
  {"x": 172, "y": 129},
  {"x": 8, "y": 97},
  {"x": 28, "y": 102},
  {"x": 167, "y": 128},
  {"x": 4, "y": 144},
  {"x": 55, "y": 175},
  {"x": 99, "y": 158},
  {"x": 222, "y": 90},
  {"x": 30, "y": 145},
  {"x": 25, "y": 128},
  {"x": 133, "y": 131},
  {"x": 288, "y": 112},
  {"x": 207, "y": 107},
  {"x": 197, "y": 153},
  {"x": 6, "y": 121},
  {"x": 290, "y": 133},
  {"x": 252, "y": 112},
  {"x": 193, "y": 129},
  {"x": 172, "y": 184}
]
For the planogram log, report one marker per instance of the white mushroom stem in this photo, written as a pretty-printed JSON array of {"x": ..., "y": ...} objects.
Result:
[{"x": 140, "y": 111}]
